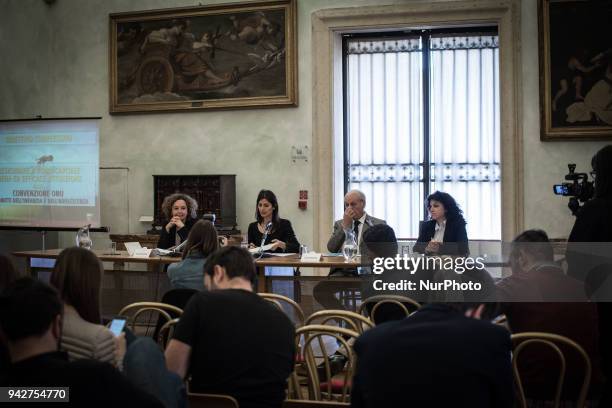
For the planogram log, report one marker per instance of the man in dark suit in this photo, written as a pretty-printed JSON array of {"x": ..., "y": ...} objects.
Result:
[
  {"x": 440, "y": 356},
  {"x": 356, "y": 219}
]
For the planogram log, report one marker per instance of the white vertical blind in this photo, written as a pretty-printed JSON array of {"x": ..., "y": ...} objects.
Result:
[
  {"x": 464, "y": 128},
  {"x": 385, "y": 127}
]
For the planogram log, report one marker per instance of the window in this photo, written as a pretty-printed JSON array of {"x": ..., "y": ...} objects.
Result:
[{"x": 421, "y": 113}]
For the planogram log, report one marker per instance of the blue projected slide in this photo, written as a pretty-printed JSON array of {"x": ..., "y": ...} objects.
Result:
[{"x": 49, "y": 173}]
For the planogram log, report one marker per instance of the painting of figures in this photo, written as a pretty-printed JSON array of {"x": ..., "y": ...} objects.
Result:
[
  {"x": 576, "y": 69},
  {"x": 214, "y": 57}
]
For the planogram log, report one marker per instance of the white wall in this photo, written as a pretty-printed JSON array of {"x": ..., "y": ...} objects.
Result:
[{"x": 55, "y": 63}]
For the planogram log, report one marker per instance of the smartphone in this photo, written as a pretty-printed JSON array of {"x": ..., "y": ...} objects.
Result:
[{"x": 116, "y": 326}]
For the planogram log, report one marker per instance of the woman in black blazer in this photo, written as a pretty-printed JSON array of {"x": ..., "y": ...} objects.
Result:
[
  {"x": 280, "y": 235},
  {"x": 444, "y": 214}
]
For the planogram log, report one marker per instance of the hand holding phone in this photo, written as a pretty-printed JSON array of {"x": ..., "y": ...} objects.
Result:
[{"x": 116, "y": 326}]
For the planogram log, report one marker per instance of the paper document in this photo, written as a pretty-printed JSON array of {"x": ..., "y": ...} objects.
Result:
[
  {"x": 257, "y": 249},
  {"x": 311, "y": 257},
  {"x": 132, "y": 247},
  {"x": 136, "y": 250}
]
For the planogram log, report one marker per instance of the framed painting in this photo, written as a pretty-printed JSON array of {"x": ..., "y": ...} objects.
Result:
[
  {"x": 575, "y": 50},
  {"x": 237, "y": 55}
]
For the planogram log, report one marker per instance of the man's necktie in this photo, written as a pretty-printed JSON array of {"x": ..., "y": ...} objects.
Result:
[{"x": 356, "y": 230}]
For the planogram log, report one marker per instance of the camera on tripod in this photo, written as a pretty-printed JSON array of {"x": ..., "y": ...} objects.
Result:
[{"x": 580, "y": 189}]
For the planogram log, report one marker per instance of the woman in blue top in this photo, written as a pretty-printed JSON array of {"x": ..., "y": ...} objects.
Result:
[{"x": 201, "y": 242}]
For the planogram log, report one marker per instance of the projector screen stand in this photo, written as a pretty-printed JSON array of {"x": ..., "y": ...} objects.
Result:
[{"x": 43, "y": 236}]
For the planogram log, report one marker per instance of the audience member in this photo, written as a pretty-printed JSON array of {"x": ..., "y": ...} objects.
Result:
[
  {"x": 31, "y": 320},
  {"x": 181, "y": 213},
  {"x": 201, "y": 242},
  {"x": 538, "y": 296},
  {"x": 8, "y": 274},
  {"x": 77, "y": 276},
  {"x": 355, "y": 219},
  {"x": 8, "y": 271},
  {"x": 442, "y": 355},
  {"x": 231, "y": 340},
  {"x": 444, "y": 233}
]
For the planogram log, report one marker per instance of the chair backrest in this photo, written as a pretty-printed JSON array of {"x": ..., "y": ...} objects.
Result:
[
  {"x": 178, "y": 297},
  {"x": 324, "y": 387},
  {"x": 280, "y": 300},
  {"x": 166, "y": 332},
  {"x": 502, "y": 320},
  {"x": 314, "y": 404},
  {"x": 134, "y": 310},
  {"x": 523, "y": 340},
  {"x": 211, "y": 401},
  {"x": 402, "y": 304},
  {"x": 354, "y": 321}
]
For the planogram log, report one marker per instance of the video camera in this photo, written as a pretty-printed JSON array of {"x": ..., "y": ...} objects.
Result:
[{"x": 580, "y": 189}]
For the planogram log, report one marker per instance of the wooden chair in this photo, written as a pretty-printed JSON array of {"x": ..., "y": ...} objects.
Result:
[
  {"x": 354, "y": 321},
  {"x": 502, "y": 320},
  {"x": 211, "y": 401},
  {"x": 523, "y": 340},
  {"x": 314, "y": 404},
  {"x": 327, "y": 387},
  {"x": 294, "y": 389},
  {"x": 166, "y": 333},
  {"x": 279, "y": 300},
  {"x": 403, "y": 304},
  {"x": 135, "y": 310}
]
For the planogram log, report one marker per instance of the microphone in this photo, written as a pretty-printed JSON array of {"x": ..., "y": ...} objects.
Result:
[
  {"x": 265, "y": 236},
  {"x": 179, "y": 247}
]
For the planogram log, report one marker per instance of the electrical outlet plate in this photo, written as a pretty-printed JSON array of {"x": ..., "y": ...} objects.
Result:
[{"x": 300, "y": 153}]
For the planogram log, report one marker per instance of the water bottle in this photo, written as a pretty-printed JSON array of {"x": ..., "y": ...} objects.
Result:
[
  {"x": 349, "y": 248},
  {"x": 82, "y": 238}
]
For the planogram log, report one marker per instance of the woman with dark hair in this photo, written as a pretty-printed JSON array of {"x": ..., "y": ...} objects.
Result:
[
  {"x": 180, "y": 211},
  {"x": 201, "y": 242},
  {"x": 444, "y": 233},
  {"x": 77, "y": 276},
  {"x": 280, "y": 233}
]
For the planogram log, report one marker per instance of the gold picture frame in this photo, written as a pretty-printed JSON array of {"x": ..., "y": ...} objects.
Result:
[
  {"x": 575, "y": 69},
  {"x": 226, "y": 56}
]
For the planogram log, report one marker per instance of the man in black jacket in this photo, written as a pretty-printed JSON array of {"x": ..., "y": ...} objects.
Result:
[
  {"x": 440, "y": 356},
  {"x": 589, "y": 253}
]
